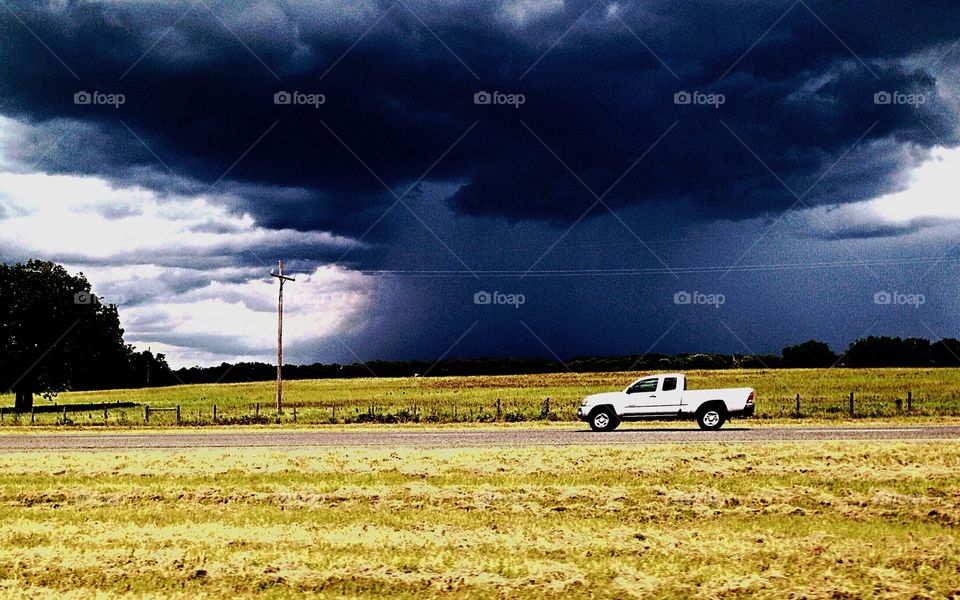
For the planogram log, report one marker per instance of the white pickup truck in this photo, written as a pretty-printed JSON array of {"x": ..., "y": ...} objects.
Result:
[{"x": 663, "y": 397}]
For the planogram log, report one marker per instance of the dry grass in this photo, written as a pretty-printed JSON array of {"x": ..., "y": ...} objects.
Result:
[{"x": 771, "y": 520}]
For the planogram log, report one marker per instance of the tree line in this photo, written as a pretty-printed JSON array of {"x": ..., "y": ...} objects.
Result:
[
  {"x": 55, "y": 335},
  {"x": 867, "y": 352}
]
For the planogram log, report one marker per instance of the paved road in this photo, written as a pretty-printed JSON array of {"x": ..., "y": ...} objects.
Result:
[{"x": 507, "y": 437}]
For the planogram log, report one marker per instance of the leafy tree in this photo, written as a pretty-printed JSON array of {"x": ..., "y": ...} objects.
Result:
[
  {"x": 54, "y": 334},
  {"x": 809, "y": 355},
  {"x": 145, "y": 369},
  {"x": 763, "y": 361},
  {"x": 708, "y": 361},
  {"x": 946, "y": 353},
  {"x": 889, "y": 352}
]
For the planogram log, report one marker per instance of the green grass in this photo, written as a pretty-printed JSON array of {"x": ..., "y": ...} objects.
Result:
[
  {"x": 823, "y": 520},
  {"x": 824, "y": 396}
]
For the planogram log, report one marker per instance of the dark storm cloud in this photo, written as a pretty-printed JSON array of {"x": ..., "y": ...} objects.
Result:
[
  {"x": 199, "y": 87},
  {"x": 224, "y": 255}
]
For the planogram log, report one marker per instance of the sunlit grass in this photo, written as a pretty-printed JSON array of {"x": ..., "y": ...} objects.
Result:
[
  {"x": 824, "y": 396},
  {"x": 838, "y": 519}
]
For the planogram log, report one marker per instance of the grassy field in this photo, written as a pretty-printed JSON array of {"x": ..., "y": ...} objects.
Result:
[
  {"x": 824, "y": 520},
  {"x": 824, "y": 396}
]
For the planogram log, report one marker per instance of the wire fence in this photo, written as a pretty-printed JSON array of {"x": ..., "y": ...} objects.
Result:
[{"x": 853, "y": 405}]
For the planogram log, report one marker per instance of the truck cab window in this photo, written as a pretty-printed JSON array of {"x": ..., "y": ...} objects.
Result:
[
  {"x": 669, "y": 384},
  {"x": 646, "y": 385}
]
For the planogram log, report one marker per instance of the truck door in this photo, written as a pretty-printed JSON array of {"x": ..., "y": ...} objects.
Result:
[
  {"x": 643, "y": 398},
  {"x": 669, "y": 395}
]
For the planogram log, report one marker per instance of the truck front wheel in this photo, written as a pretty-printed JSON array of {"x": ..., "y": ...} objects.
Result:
[
  {"x": 604, "y": 419},
  {"x": 711, "y": 417}
]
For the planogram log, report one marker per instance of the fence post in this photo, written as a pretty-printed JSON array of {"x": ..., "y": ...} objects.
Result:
[
  {"x": 546, "y": 407},
  {"x": 499, "y": 412},
  {"x": 294, "y": 413},
  {"x": 104, "y": 413},
  {"x": 214, "y": 413},
  {"x": 851, "y": 405},
  {"x": 333, "y": 413},
  {"x": 64, "y": 415},
  {"x": 798, "y": 406},
  {"x": 257, "y": 413},
  {"x": 909, "y": 401},
  {"x": 146, "y": 413},
  {"x": 31, "y": 415},
  {"x": 178, "y": 414}
]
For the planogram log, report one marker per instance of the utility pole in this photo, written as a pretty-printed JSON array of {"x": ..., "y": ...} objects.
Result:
[{"x": 282, "y": 279}]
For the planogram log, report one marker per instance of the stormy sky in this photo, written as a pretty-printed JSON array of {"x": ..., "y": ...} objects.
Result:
[{"x": 489, "y": 178}]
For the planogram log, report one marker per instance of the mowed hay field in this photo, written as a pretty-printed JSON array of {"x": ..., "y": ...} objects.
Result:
[
  {"x": 823, "y": 520},
  {"x": 824, "y": 395}
]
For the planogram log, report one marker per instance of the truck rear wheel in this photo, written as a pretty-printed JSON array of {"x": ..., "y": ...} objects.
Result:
[
  {"x": 711, "y": 417},
  {"x": 604, "y": 419}
]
